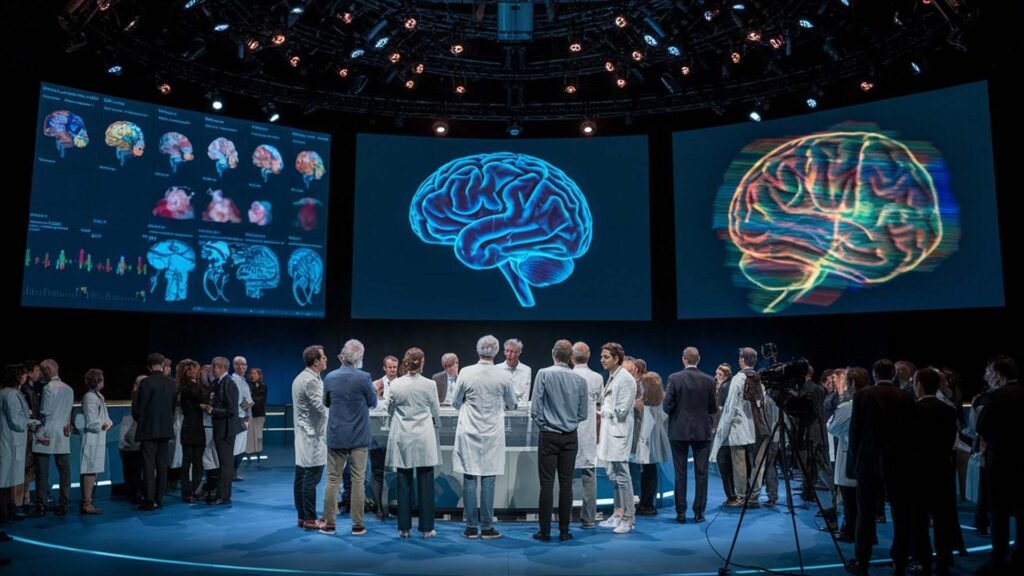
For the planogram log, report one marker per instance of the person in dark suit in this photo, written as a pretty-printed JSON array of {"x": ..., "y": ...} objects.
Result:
[
  {"x": 153, "y": 411},
  {"x": 934, "y": 433},
  {"x": 445, "y": 379},
  {"x": 226, "y": 426},
  {"x": 999, "y": 426},
  {"x": 191, "y": 395},
  {"x": 690, "y": 404},
  {"x": 878, "y": 460}
]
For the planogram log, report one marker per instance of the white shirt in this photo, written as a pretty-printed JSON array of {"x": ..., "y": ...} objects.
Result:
[
  {"x": 521, "y": 375},
  {"x": 586, "y": 434}
]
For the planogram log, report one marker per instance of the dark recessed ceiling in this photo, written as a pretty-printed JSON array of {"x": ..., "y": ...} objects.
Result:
[{"x": 516, "y": 62}]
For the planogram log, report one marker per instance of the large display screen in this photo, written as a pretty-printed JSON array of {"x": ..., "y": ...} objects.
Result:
[
  {"x": 145, "y": 207},
  {"x": 878, "y": 207},
  {"x": 501, "y": 229}
]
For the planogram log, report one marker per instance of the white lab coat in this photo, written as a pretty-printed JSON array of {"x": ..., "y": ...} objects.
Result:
[
  {"x": 586, "y": 432},
  {"x": 244, "y": 395},
  {"x": 839, "y": 426},
  {"x": 522, "y": 376},
  {"x": 94, "y": 437},
  {"x": 617, "y": 418},
  {"x": 55, "y": 412},
  {"x": 415, "y": 413},
  {"x": 482, "y": 393},
  {"x": 14, "y": 417},
  {"x": 736, "y": 427},
  {"x": 310, "y": 419}
]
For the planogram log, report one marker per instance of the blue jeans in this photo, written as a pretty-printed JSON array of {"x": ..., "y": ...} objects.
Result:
[{"x": 484, "y": 515}]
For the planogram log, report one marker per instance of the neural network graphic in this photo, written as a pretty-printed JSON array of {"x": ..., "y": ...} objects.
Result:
[
  {"x": 814, "y": 216},
  {"x": 509, "y": 211},
  {"x": 67, "y": 129}
]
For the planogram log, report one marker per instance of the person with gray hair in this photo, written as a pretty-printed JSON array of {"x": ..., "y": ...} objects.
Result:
[
  {"x": 586, "y": 456},
  {"x": 559, "y": 405},
  {"x": 349, "y": 397},
  {"x": 521, "y": 373},
  {"x": 445, "y": 379},
  {"x": 53, "y": 437},
  {"x": 482, "y": 393}
]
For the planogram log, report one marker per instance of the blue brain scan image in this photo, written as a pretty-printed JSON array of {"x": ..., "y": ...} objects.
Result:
[
  {"x": 306, "y": 269},
  {"x": 172, "y": 260},
  {"x": 509, "y": 211},
  {"x": 257, "y": 268}
]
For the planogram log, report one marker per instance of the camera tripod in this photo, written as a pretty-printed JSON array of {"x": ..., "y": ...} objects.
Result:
[{"x": 784, "y": 435}]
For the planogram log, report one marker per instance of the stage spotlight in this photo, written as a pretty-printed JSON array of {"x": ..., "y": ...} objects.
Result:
[
  {"x": 439, "y": 127},
  {"x": 271, "y": 111},
  {"x": 735, "y": 57},
  {"x": 460, "y": 88},
  {"x": 674, "y": 51},
  {"x": 754, "y": 35},
  {"x": 755, "y": 115},
  {"x": 115, "y": 69},
  {"x": 410, "y": 24},
  {"x": 418, "y": 69},
  {"x": 188, "y": 5},
  {"x": 637, "y": 55},
  {"x": 457, "y": 48},
  {"x": 621, "y": 21},
  {"x": 294, "y": 61},
  {"x": 164, "y": 88},
  {"x": 410, "y": 84},
  {"x": 685, "y": 70},
  {"x": 710, "y": 15},
  {"x": 343, "y": 72},
  {"x": 915, "y": 68},
  {"x": 621, "y": 82},
  {"x": 650, "y": 40},
  {"x": 215, "y": 101},
  {"x": 867, "y": 86},
  {"x": 570, "y": 88},
  {"x": 812, "y": 103},
  {"x": 805, "y": 23},
  {"x": 514, "y": 130},
  {"x": 609, "y": 66},
  {"x": 252, "y": 44},
  {"x": 221, "y": 27},
  {"x": 588, "y": 127},
  {"x": 394, "y": 57},
  {"x": 278, "y": 39},
  {"x": 358, "y": 52},
  {"x": 575, "y": 46},
  {"x": 347, "y": 17}
]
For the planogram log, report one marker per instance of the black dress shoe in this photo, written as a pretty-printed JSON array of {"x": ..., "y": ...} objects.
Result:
[
  {"x": 222, "y": 502},
  {"x": 541, "y": 536},
  {"x": 681, "y": 518},
  {"x": 564, "y": 536},
  {"x": 698, "y": 519}
]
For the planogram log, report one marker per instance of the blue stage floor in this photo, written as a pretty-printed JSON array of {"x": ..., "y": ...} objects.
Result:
[{"x": 258, "y": 535}]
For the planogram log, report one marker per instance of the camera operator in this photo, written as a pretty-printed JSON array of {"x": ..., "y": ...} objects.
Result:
[{"x": 808, "y": 414}]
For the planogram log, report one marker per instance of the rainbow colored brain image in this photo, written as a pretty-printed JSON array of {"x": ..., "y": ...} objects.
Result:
[
  {"x": 224, "y": 155},
  {"x": 817, "y": 215},
  {"x": 177, "y": 146},
  {"x": 268, "y": 160},
  {"x": 310, "y": 165},
  {"x": 126, "y": 139},
  {"x": 509, "y": 211},
  {"x": 260, "y": 213},
  {"x": 67, "y": 129}
]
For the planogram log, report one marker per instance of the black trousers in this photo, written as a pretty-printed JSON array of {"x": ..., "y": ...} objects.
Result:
[
  {"x": 306, "y": 479},
  {"x": 648, "y": 485},
  {"x": 131, "y": 469},
  {"x": 156, "y": 457},
  {"x": 557, "y": 454},
  {"x": 724, "y": 461},
  {"x": 191, "y": 469},
  {"x": 43, "y": 478},
  {"x": 425, "y": 494},
  {"x": 1007, "y": 500},
  {"x": 868, "y": 490},
  {"x": 849, "y": 527},
  {"x": 377, "y": 482},
  {"x": 935, "y": 502},
  {"x": 226, "y": 457},
  {"x": 701, "y": 454}
]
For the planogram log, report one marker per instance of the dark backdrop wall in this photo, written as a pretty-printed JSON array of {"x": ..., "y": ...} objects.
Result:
[{"x": 118, "y": 342}]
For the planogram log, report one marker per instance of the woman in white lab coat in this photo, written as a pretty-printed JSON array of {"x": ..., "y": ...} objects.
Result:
[
  {"x": 94, "y": 438},
  {"x": 14, "y": 420},
  {"x": 413, "y": 442},
  {"x": 617, "y": 435},
  {"x": 839, "y": 426}
]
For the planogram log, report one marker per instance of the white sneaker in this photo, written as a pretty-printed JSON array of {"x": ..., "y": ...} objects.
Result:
[
  {"x": 610, "y": 522},
  {"x": 623, "y": 528}
]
